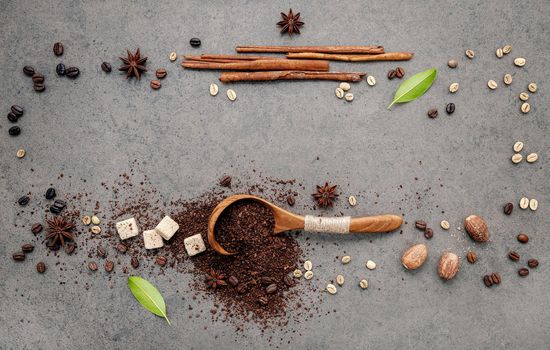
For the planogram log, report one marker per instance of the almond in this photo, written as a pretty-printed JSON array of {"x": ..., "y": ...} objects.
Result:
[
  {"x": 448, "y": 266},
  {"x": 414, "y": 257},
  {"x": 477, "y": 228}
]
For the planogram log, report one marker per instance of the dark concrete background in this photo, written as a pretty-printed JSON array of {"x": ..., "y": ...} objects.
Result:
[{"x": 94, "y": 127}]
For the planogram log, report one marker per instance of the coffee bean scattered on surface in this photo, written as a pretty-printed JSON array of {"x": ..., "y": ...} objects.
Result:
[
  {"x": 399, "y": 72},
  {"x": 36, "y": 228},
  {"x": 471, "y": 257},
  {"x": 109, "y": 266},
  {"x": 391, "y": 74},
  {"x": 533, "y": 204},
  {"x": 508, "y": 208},
  {"x": 346, "y": 259},
  {"x": 106, "y": 67},
  {"x": 514, "y": 256},
  {"x": 155, "y": 84},
  {"x": 60, "y": 69},
  {"x": 161, "y": 73},
  {"x": 214, "y": 89},
  {"x": 92, "y": 266},
  {"x": 453, "y": 87},
  {"x": 195, "y": 42},
  {"x": 450, "y": 108},
  {"x": 19, "y": 256},
  {"x": 20, "y": 153},
  {"x": 50, "y": 193},
  {"x": 225, "y": 181},
  {"x": 523, "y": 238},
  {"x": 445, "y": 225},
  {"x": 348, "y": 97},
  {"x": 58, "y": 49},
  {"x": 290, "y": 200},
  {"x": 231, "y": 95},
  {"x": 72, "y": 72},
  {"x": 40, "y": 267},
  {"x": 134, "y": 262},
  {"x": 452, "y": 63},
  {"x": 23, "y": 201},
  {"x": 532, "y": 263},
  {"x": 161, "y": 260},
  {"x": 523, "y": 272},
  {"x": 371, "y": 80},
  {"x": 428, "y": 233},
  {"x": 27, "y": 248},
  {"x": 532, "y": 87},
  {"x": 29, "y": 71},
  {"x": 470, "y": 54},
  {"x": 420, "y": 224},
  {"x": 14, "y": 131},
  {"x": 524, "y": 203},
  {"x": 432, "y": 113}
]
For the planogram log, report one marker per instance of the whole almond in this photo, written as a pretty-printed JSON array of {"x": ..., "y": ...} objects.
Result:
[
  {"x": 476, "y": 228},
  {"x": 448, "y": 266},
  {"x": 414, "y": 256}
]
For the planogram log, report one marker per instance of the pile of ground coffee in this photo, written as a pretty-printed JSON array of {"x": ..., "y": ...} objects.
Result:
[{"x": 259, "y": 276}]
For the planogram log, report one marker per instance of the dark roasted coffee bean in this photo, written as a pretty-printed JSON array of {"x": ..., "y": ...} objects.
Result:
[
  {"x": 58, "y": 49},
  {"x": 523, "y": 272},
  {"x": 36, "y": 228},
  {"x": 37, "y": 78},
  {"x": 195, "y": 42},
  {"x": 288, "y": 280},
  {"x": 55, "y": 210},
  {"x": 266, "y": 280},
  {"x": 121, "y": 247},
  {"x": 450, "y": 108},
  {"x": 161, "y": 260},
  {"x": 60, "y": 69},
  {"x": 101, "y": 252},
  {"x": 14, "y": 131},
  {"x": 271, "y": 289},
  {"x": 523, "y": 238},
  {"x": 27, "y": 248},
  {"x": 70, "y": 248},
  {"x": 508, "y": 207},
  {"x": 12, "y": 117},
  {"x": 225, "y": 181},
  {"x": 471, "y": 257},
  {"x": 392, "y": 74},
  {"x": 41, "y": 267},
  {"x": 420, "y": 224},
  {"x": 432, "y": 113},
  {"x": 135, "y": 262},
  {"x": 155, "y": 84},
  {"x": 106, "y": 67},
  {"x": 92, "y": 266},
  {"x": 532, "y": 263},
  {"x": 28, "y": 70},
  {"x": 263, "y": 301},
  {"x": 487, "y": 280},
  {"x": 39, "y": 87},
  {"x": 19, "y": 256},
  {"x": 495, "y": 278},
  {"x": 59, "y": 203},
  {"x": 17, "y": 110},
  {"x": 234, "y": 281},
  {"x": 513, "y": 256},
  {"x": 161, "y": 73},
  {"x": 290, "y": 200},
  {"x": 72, "y": 72},
  {"x": 399, "y": 72},
  {"x": 429, "y": 233},
  {"x": 23, "y": 201},
  {"x": 50, "y": 193},
  {"x": 241, "y": 288},
  {"x": 109, "y": 266}
]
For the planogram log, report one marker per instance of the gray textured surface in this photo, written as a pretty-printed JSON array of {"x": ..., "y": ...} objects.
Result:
[{"x": 94, "y": 127}]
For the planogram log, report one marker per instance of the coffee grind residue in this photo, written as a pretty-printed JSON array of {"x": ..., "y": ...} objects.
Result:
[{"x": 258, "y": 277}]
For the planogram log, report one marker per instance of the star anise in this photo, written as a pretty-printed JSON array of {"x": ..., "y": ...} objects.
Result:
[
  {"x": 325, "y": 195},
  {"x": 291, "y": 23},
  {"x": 59, "y": 230},
  {"x": 215, "y": 279},
  {"x": 134, "y": 64}
]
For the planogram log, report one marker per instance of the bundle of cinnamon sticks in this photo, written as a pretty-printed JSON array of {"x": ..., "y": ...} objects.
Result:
[{"x": 300, "y": 62}]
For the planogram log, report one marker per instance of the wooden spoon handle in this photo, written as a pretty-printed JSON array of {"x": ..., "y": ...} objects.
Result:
[{"x": 378, "y": 223}]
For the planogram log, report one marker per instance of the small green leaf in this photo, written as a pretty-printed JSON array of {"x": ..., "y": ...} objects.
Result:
[
  {"x": 414, "y": 87},
  {"x": 148, "y": 296}
]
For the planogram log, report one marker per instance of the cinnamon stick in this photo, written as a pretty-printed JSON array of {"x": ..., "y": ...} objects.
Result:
[
  {"x": 231, "y": 77},
  {"x": 320, "y": 49},
  {"x": 305, "y": 65},
  {"x": 240, "y": 57},
  {"x": 388, "y": 56},
  {"x": 216, "y": 60}
]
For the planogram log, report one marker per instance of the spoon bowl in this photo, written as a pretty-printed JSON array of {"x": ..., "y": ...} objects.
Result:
[{"x": 287, "y": 221}]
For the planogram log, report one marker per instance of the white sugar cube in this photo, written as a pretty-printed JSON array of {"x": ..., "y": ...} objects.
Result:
[
  {"x": 167, "y": 227},
  {"x": 194, "y": 244},
  {"x": 152, "y": 239},
  {"x": 127, "y": 228}
]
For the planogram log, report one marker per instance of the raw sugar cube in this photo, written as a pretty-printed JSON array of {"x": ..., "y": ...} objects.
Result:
[
  {"x": 152, "y": 239},
  {"x": 194, "y": 244},
  {"x": 167, "y": 227},
  {"x": 127, "y": 228}
]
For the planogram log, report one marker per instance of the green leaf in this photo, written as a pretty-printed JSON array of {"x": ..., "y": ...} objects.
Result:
[
  {"x": 414, "y": 87},
  {"x": 148, "y": 296}
]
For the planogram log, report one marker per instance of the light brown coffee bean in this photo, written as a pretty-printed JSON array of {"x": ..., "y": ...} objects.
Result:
[
  {"x": 213, "y": 89},
  {"x": 161, "y": 73},
  {"x": 155, "y": 84},
  {"x": 525, "y": 107},
  {"x": 524, "y": 96},
  {"x": 532, "y": 157},
  {"x": 532, "y": 87},
  {"x": 518, "y": 146},
  {"x": 507, "y": 79},
  {"x": 331, "y": 288},
  {"x": 499, "y": 53},
  {"x": 371, "y": 80},
  {"x": 520, "y": 61},
  {"x": 452, "y": 63},
  {"x": 231, "y": 95},
  {"x": 507, "y": 49},
  {"x": 453, "y": 87},
  {"x": 492, "y": 84},
  {"x": 524, "y": 203},
  {"x": 470, "y": 54},
  {"x": 517, "y": 158}
]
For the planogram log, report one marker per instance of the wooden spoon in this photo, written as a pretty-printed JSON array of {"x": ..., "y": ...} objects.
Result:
[{"x": 287, "y": 221}]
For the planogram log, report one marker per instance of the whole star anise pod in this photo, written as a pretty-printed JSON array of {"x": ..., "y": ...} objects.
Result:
[
  {"x": 134, "y": 64},
  {"x": 59, "y": 230},
  {"x": 291, "y": 23},
  {"x": 325, "y": 195},
  {"x": 215, "y": 279}
]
